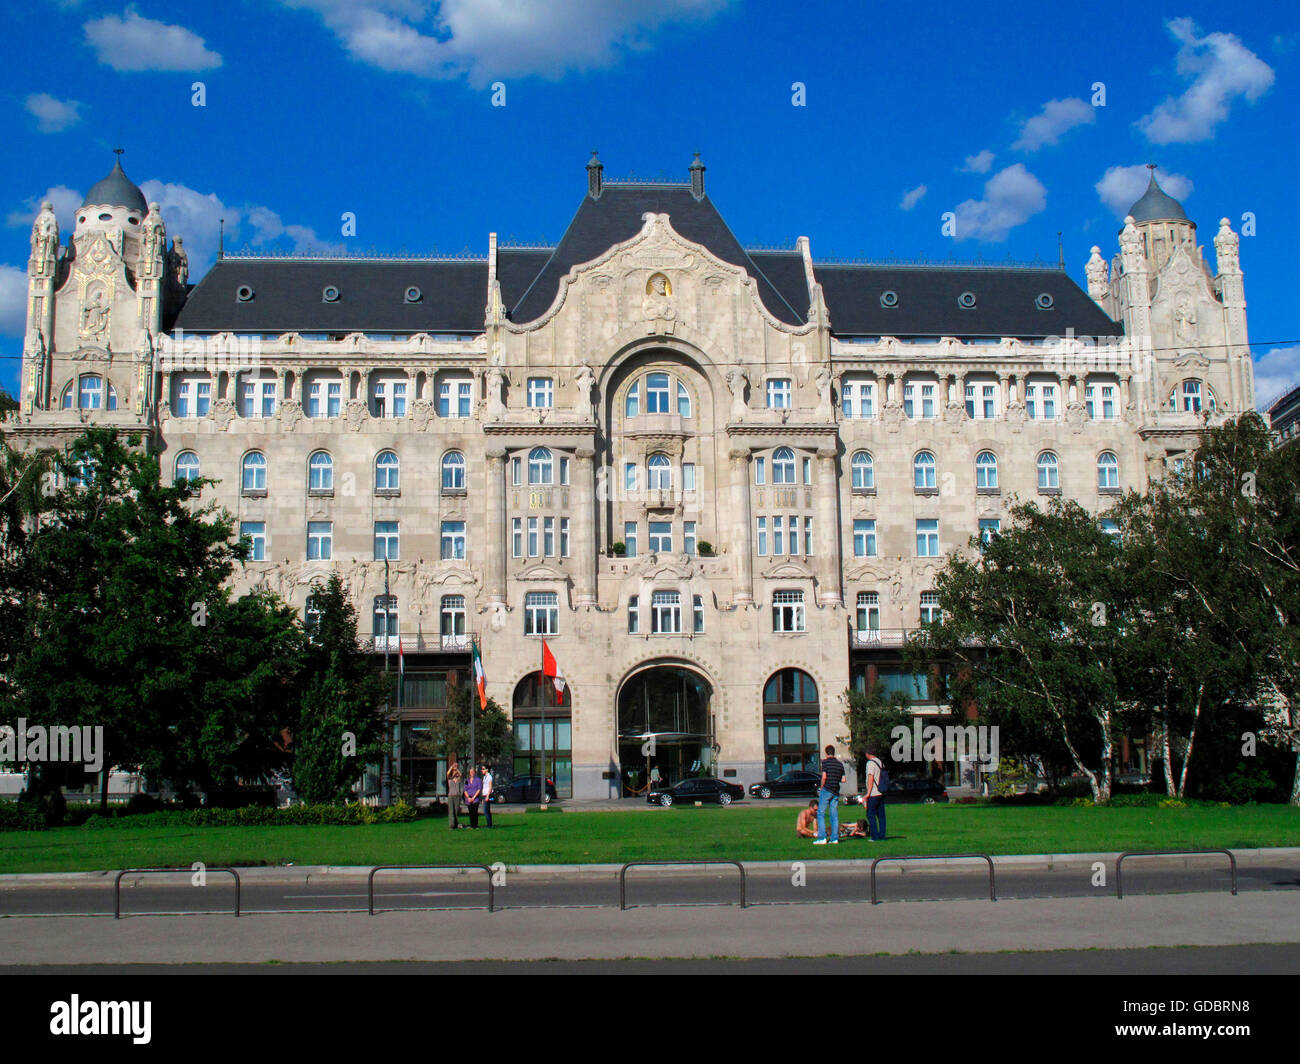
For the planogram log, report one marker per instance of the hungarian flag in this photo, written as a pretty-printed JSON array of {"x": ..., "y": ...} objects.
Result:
[
  {"x": 480, "y": 678},
  {"x": 551, "y": 668}
]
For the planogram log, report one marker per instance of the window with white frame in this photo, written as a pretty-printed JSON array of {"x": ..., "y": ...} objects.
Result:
[
  {"x": 920, "y": 399},
  {"x": 783, "y": 466},
  {"x": 388, "y": 397},
  {"x": 683, "y": 400},
  {"x": 564, "y": 470},
  {"x": 659, "y": 471},
  {"x": 924, "y": 476},
  {"x": 868, "y": 611},
  {"x": 320, "y": 474},
  {"x": 806, "y": 463},
  {"x": 661, "y": 537},
  {"x": 324, "y": 398},
  {"x": 541, "y": 467},
  {"x": 453, "y": 472},
  {"x": 982, "y": 400},
  {"x": 633, "y": 614},
  {"x": 864, "y": 471},
  {"x": 857, "y": 398},
  {"x": 258, "y": 396},
  {"x": 1049, "y": 472},
  {"x": 665, "y": 612},
  {"x": 451, "y": 620},
  {"x": 541, "y": 393},
  {"x": 320, "y": 540},
  {"x": 629, "y": 539},
  {"x": 386, "y": 541},
  {"x": 986, "y": 471},
  {"x": 187, "y": 466},
  {"x": 807, "y": 536},
  {"x": 1040, "y": 401},
  {"x": 253, "y": 473},
  {"x": 778, "y": 534},
  {"x": 760, "y": 471},
  {"x": 564, "y": 537},
  {"x": 762, "y": 537},
  {"x": 688, "y": 476},
  {"x": 387, "y": 472},
  {"x": 927, "y": 538},
  {"x": 255, "y": 533},
  {"x": 1107, "y": 471},
  {"x": 517, "y": 537},
  {"x": 541, "y": 613},
  {"x": 193, "y": 397},
  {"x": 385, "y": 621},
  {"x": 864, "y": 538},
  {"x": 632, "y": 402},
  {"x": 1190, "y": 396},
  {"x": 778, "y": 393},
  {"x": 787, "y": 611},
  {"x": 88, "y": 392},
  {"x": 455, "y": 397},
  {"x": 1100, "y": 400},
  {"x": 697, "y": 613},
  {"x": 1110, "y": 526},
  {"x": 548, "y": 537},
  {"x": 989, "y": 527},
  {"x": 534, "y": 538},
  {"x": 930, "y": 612},
  {"x": 656, "y": 393},
  {"x": 630, "y": 477},
  {"x": 453, "y": 540},
  {"x": 688, "y": 537}
]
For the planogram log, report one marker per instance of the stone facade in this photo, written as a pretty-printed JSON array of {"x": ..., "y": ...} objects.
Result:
[{"x": 657, "y": 392}]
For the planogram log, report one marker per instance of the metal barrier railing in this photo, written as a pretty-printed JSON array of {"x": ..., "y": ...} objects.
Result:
[
  {"x": 937, "y": 857},
  {"x": 117, "y": 885},
  {"x": 1119, "y": 862},
  {"x": 622, "y": 875},
  {"x": 370, "y": 882}
]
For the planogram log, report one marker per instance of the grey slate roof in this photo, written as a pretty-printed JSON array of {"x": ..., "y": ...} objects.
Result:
[
  {"x": 1157, "y": 205},
  {"x": 115, "y": 190}
]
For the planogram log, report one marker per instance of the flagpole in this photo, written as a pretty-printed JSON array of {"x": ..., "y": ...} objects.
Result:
[
  {"x": 473, "y": 713},
  {"x": 541, "y": 792},
  {"x": 386, "y": 771}
]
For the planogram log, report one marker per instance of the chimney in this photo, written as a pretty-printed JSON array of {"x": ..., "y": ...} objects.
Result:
[
  {"x": 594, "y": 170},
  {"x": 697, "y": 178}
]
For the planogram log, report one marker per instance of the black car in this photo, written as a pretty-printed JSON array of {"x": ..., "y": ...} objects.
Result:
[
  {"x": 920, "y": 789},
  {"x": 525, "y": 789},
  {"x": 798, "y": 784},
  {"x": 696, "y": 790}
]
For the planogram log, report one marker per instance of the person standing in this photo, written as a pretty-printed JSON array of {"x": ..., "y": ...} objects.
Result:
[
  {"x": 873, "y": 798},
  {"x": 473, "y": 794},
  {"x": 486, "y": 776},
  {"x": 828, "y": 795},
  {"x": 453, "y": 796}
]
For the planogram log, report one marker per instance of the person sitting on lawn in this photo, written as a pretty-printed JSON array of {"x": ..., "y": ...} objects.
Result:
[
  {"x": 806, "y": 826},
  {"x": 858, "y": 830}
]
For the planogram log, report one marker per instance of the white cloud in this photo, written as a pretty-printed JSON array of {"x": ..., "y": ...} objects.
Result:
[
  {"x": 1220, "y": 68},
  {"x": 52, "y": 115},
  {"x": 488, "y": 39},
  {"x": 1122, "y": 186},
  {"x": 980, "y": 163},
  {"x": 1276, "y": 372},
  {"x": 1011, "y": 197},
  {"x": 911, "y": 199},
  {"x": 66, "y": 201},
  {"x": 13, "y": 300},
  {"x": 1056, "y": 119},
  {"x": 132, "y": 43}
]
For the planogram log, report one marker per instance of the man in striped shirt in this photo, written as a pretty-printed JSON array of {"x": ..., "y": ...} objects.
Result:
[{"x": 828, "y": 795}]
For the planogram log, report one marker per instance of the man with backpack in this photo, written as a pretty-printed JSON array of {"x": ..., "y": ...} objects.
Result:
[{"x": 873, "y": 796}]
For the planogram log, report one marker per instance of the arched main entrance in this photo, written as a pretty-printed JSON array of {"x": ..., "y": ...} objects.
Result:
[
  {"x": 543, "y": 732},
  {"x": 664, "y": 726},
  {"x": 791, "y": 714}
]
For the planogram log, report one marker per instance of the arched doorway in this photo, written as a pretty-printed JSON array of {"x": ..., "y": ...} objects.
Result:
[
  {"x": 665, "y": 727},
  {"x": 791, "y": 716},
  {"x": 543, "y": 732}
]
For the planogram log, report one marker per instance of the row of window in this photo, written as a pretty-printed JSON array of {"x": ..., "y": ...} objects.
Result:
[
  {"x": 927, "y": 535},
  {"x": 925, "y": 471},
  {"x": 659, "y": 539},
  {"x": 387, "y": 540}
]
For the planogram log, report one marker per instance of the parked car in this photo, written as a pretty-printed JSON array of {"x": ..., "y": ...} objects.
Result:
[
  {"x": 525, "y": 789},
  {"x": 798, "y": 784},
  {"x": 922, "y": 789},
  {"x": 697, "y": 790}
]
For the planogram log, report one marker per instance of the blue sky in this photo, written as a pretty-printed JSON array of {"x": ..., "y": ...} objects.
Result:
[{"x": 385, "y": 108}]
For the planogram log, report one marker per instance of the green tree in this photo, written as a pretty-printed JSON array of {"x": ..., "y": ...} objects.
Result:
[
  {"x": 494, "y": 738},
  {"x": 871, "y": 717},
  {"x": 340, "y": 725}
]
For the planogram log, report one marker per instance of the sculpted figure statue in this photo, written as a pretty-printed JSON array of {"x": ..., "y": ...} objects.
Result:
[
  {"x": 737, "y": 382},
  {"x": 585, "y": 377}
]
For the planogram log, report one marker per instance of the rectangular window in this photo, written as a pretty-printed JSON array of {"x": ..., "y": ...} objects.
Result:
[
  {"x": 564, "y": 471},
  {"x": 532, "y": 538},
  {"x": 762, "y": 537},
  {"x": 927, "y": 400},
  {"x": 778, "y": 536},
  {"x": 629, "y": 538},
  {"x": 787, "y": 611},
  {"x": 697, "y": 610},
  {"x": 517, "y": 537},
  {"x": 688, "y": 476},
  {"x": 778, "y": 394},
  {"x": 541, "y": 613},
  {"x": 632, "y": 405},
  {"x": 629, "y": 476},
  {"x": 688, "y": 537},
  {"x": 564, "y": 537},
  {"x": 255, "y": 533},
  {"x": 204, "y": 402},
  {"x": 989, "y": 527},
  {"x": 868, "y": 611},
  {"x": 807, "y": 536},
  {"x": 633, "y": 615},
  {"x": 930, "y": 611},
  {"x": 548, "y": 537},
  {"x": 516, "y": 471},
  {"x": 541, "y": 393},
  {"x": 320, "y": 540},
  {"x": 453, "y": 539},
  {"x": 927, "y": 539},
  {"x": 807, "y": 470},
  {"x": 665, "y": 612},
  {"x": 455, "y": 397},
  {"x": 864, "y": 539},
  {"x": 386, "y": 540},
  {"x": 661, "y": 537},
  {"x": 760, "y": 471},
  {"x": 794, "y": 535},
  {"x": 334, "y": 398},
  {"x": 656, "y": 393},
  {"x": 857, "y": 399}
]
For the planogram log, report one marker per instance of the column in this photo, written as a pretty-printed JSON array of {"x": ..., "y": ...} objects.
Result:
[
  {"x": 1004, "y": 380},
  {"x": 741, "y": 529},
  {"x": 1124, "y": 388},
  {"x": 498, "y": 546},
  {"x": 583, "y": 509},
  {"x": 828, "y": 531}
]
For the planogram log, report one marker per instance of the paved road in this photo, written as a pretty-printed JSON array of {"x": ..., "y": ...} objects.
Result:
[{"x": 822, "y": 883}]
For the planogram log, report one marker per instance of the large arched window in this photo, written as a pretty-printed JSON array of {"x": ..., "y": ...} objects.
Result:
[
  {"x": 91, "y": 392},
  {"x": 1049, "y": 476},
  {"x": 986, "y": 471},
  {"x": 683, "y": 400},
  {"x": 923, "y": 471},
  {"x": 187, "y": 466},
  {"x": 320, "y": 472},
  {"x": 453, "y": 471},
  {"x": 1107, "y": 471},
  {"x": 791, "y": 712},
  {"x": 864, "y": 472},
  {"x": 783, "y": 466},
  {"x": 253, "y": 476},
  {"x": 1190, "y": 396},
  {"x": 660, "y": 469},
  {"x": 541, "y": 467},
  {"x": 387, "y": 472}
]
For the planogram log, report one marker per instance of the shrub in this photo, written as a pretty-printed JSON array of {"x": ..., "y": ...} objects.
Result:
[{"x": 20, "y": 816}]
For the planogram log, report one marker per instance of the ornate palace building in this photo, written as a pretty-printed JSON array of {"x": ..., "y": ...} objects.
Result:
[{"x": 718, "y": 481}]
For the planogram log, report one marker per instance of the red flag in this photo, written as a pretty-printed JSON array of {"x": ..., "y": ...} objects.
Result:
[{"x": 551, "y": 668}]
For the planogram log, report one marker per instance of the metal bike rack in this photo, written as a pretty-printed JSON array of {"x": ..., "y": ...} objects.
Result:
[
  {"x": 370, "y": 889},
  {"x": 622, "y": 875},
  {"x": 117, "y": 885},
  {"x": 937, "y": 857},
  {"x": 1119, "y": 861}
]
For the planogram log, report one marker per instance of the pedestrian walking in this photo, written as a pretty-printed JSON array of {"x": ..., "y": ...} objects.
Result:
[
  {"x": 828, "y": 796},
  {"x": 486, "y": 776},
  {"x": 473, "y": 795},
  {"x": 873, "y": 797},
  {"x": 453, "y": 796}
]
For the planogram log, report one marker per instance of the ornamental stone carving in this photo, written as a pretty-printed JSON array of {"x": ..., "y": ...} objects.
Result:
[
  {"x": 421, "y": 414},
  {"x": 356, "y": 414},
  {"x": 290, "y": 414},
  {"x": 737, "y": 382},
  {"x": 223, "y": 410}
]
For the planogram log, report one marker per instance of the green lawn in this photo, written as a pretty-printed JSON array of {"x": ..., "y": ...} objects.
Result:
[{"x": 653, "y": 834}]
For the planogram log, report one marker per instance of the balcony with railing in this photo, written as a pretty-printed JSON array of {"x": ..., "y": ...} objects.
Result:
[{"x": 420, "y": 643}]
